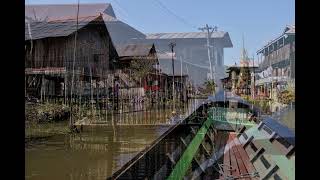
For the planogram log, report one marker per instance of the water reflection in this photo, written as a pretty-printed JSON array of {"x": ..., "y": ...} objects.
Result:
[
  {"x": 101, "y": 150},
  {"x": 286, "y": 116},
  {"x": 139, "y": 114},
  {"x": 90, "y": 155}
]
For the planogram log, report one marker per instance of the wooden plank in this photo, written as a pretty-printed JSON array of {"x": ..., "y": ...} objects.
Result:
[
  {"x": 274, "y": 153},
  {"x": 209, "y": 136},
  {"x": 274, "y": 157},
  {"x": 234, "y": 165},
  {"x": 205, "y": 149},
  {"x": 226, "y": 160},
  {"x": 223, "y": 139},
  {"x": 241, "y": 166},
  {"x": 218, "y": 141},
  {"x": 161, "y": 174},
  {"x": 257, "y": 154},
  {"x": 284, "y": 150},
  {"x": 245, "y": 158}
]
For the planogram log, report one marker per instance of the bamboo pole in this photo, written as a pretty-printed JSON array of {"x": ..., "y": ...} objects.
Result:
[
  {"x": 106, "y": 98},
  {"x": 91, "y": 87},
  {"x": 98, "y": 103},
  {"x": 73, "y": 64},
  {"x": 81, "y": 90}
]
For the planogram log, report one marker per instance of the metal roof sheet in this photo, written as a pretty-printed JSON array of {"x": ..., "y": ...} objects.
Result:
[
  {"x": 39, "y": 30},
  {"x": 290, "y": 29},
  {"x": 119, "y": 31},
  {"x": 134, "y": 49},
  {"x": 221, "y": 35},
  {"x": 217, "y": 34},
  {"x": 50, "y": 12}
]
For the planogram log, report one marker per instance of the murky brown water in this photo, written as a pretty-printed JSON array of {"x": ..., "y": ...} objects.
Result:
[
  {"x": 96, "y": 153},
  {"x": 89, "y": 155},
  {"x": 287, "y": 118}
]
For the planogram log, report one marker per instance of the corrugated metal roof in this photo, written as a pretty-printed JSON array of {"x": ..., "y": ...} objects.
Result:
[
  {"x": 134, "y": 49},
  {"x": 51, "y": 12},
  {"x": 290, "y": 29},
  {"x": 122, "y": 33},
  {"x": 180, "y": 35},
  {"x": 119, "y": 31},
  {"x": 223, "y": 37},
  {"x": 58, "y": 28}
]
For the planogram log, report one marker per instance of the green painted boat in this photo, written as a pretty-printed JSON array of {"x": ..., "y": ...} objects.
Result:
[{"x": 218, "y": 141}]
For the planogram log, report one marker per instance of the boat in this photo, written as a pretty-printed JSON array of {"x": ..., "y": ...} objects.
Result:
[{"x": 224, "y": 138}]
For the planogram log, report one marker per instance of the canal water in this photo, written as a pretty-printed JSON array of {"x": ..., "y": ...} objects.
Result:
[
  {"x": 286, "y": 116},
  {"x": 98, "y": 152}
]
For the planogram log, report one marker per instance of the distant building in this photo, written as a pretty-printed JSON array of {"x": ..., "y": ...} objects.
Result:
[
  {"x": 49, "y": 38},
  {"x": 191, "y": 49},
  {"x": 277, "y": 67},
  {"x": 49, "y": 55},
  {"x": 232, "y": 82},
  {"x": 240, "y": 77},
  {"x": 120, "y": 32},
  {"x": 191, "y": 56}
]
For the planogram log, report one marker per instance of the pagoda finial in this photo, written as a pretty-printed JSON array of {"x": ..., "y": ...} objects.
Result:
[
  {"x": 243, "y": 50},
  {"x": 244, "y": 56},
  {"x": 243, "y": 41}
]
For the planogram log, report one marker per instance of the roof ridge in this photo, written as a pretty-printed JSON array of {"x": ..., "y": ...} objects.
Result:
[
  {"x": 73, "y": 18},
  {"x": 67, "y": 4},
  {"x": 180, "y": 32}
]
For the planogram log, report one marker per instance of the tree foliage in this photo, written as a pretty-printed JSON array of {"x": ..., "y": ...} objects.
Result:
[
  {"x": 244, "y": 78},
  {"x": 141, "y": 67},
  {"x": 287, "y": 96},
  {"x": 210, "y": 86}
]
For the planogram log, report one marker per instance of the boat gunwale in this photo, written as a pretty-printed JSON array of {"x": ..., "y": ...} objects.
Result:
[{"x": 140, "y": 155}]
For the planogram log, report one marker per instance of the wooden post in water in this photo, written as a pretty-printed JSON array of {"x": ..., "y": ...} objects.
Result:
[
  {"x": 73, "y": 64},
  {"x": 106, "y": 97},
  {"x": 173, "y": 90},
  {"x": 91, "y": 88},
  {"x": 113, "y": 92},
  {"x": 97, "y": 99}
]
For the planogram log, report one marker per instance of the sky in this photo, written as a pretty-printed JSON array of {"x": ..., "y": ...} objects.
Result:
[{"x": 258, "y": 21}]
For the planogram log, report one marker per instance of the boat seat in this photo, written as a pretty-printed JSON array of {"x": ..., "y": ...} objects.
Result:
[
  {"x": 280, "y": 143},
  {"x": 269, "y": 157},
  {"x": 277, "y": 141},
  {"x": 236, "y": 162}
]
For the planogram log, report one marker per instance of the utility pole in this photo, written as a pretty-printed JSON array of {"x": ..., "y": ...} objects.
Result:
[
  {"x": 172, "y": 45},
  {"x": 254, "y": 82},
  {"x": 209, "y": 31}
]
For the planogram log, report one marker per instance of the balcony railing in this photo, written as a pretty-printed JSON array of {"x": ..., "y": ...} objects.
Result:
[{"x": 272, "y": 79}]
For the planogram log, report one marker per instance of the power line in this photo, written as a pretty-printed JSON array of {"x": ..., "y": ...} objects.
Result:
[
  {"x": 122, "y": 12},
  {"x": 121, "y": 8},
  {"x": 125, "y": 12},
  {"x": 175, "y": 15},
  {"x": 193, "y": 64}
]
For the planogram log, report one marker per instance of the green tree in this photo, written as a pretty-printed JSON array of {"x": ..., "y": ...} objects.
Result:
[
  {"x": 288, "y": 95},
  {"x": 210, "y": 86},
  {"x": 244, "y": 78},
  {"x": 141, "y": 67}
]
